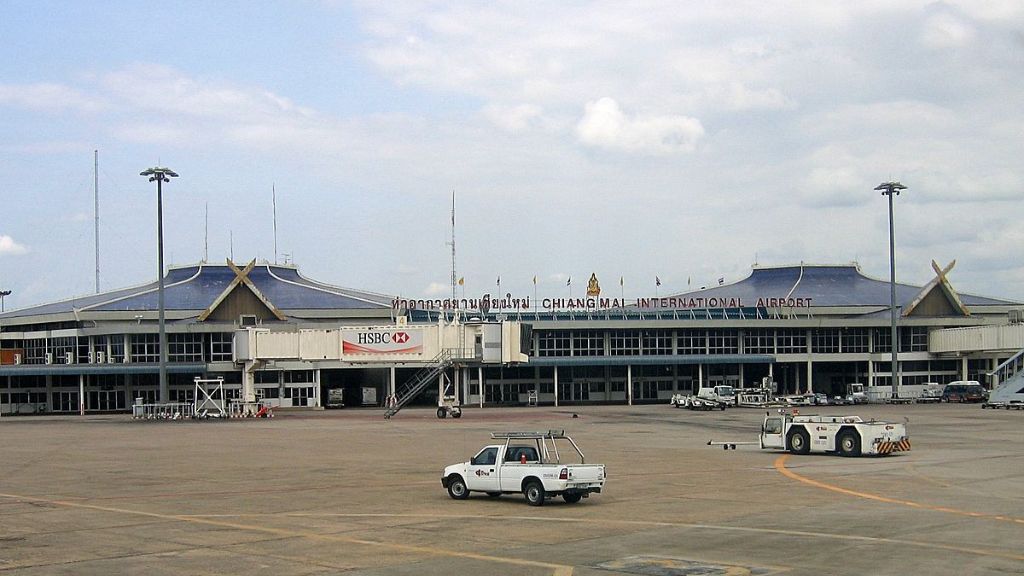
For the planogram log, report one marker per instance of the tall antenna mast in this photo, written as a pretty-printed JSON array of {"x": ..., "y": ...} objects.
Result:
[
  {"x": 96, "y": 209},
  {"x": 273, "y": 188},
  {"x": 452, "y": 244},
  {"x": 206, "y": 235}
]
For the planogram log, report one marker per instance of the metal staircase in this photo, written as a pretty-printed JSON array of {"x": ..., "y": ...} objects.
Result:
[
  {"x": 423, "y": 378},
  {"x": 1008, "y": 383}
]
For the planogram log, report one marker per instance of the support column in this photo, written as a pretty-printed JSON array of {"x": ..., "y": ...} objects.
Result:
[
  {"x": 81, "y": 394},
  {"x": 810, "y": 378},
  {"x": 629, "y": 384},
  {"x": 480, "y": 379},
  {"x": 742, "y": 379},
  {"x": 440, "y": 388},
  {"x": 316, "y": 388},
  {"x": 963, "y": 368},
  {"x": 555, "y": 368},
  {"x": 48, "y": 379},
  {"x": 391, "y": 381},
  {"x": 700, "y": 376}
]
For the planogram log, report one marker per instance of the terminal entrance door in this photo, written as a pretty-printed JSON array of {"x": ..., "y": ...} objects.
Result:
[
  {"x": 106, "y": 400},
  {"x": 501, "y": 393}
]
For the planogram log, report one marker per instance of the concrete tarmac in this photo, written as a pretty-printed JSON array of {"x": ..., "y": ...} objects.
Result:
[{"x": 348, "y": 492}]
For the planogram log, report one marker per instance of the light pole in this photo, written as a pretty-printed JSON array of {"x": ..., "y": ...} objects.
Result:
[
  {"x": 161, "y": 175},
  {"x": 889, "y": 189},
  {"x": 3, "y": 294}
]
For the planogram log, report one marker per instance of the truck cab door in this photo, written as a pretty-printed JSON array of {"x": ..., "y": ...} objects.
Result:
[
  {"x": 772, "y": 433},
  {"x": 482, "y": 472}
]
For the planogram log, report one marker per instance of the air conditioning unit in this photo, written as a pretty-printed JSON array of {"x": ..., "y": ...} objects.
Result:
[
  {"x": 17, "y": 358},
  {"x": 111, "y": 359},
  {"x": 69, "y": 357},
  {"x": 92, "y": 358},
  {"x": 248, "y": 320},
  {"x": 101, "y": 357},
  {"x": 1016, "y": 316},
  {"x": 49, "y": 358}
]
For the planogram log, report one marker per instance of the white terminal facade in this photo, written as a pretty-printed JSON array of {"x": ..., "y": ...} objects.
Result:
[{"x": 292, "y": 340}]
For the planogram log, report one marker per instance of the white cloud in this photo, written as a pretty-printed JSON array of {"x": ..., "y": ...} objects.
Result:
[
  {"x": 947, "y": 31},
  {"x": 438, "y": 289},
  {"x": 49, "y": 97},
  {"x": 8, "y": 247},
  {"x": 168, "y": 90},
  {"x": 605, "y": 125},
  {"x": 513, "y": 119}
]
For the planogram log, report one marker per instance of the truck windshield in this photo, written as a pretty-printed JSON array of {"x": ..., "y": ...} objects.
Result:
[{"x": 725, "y": 391}]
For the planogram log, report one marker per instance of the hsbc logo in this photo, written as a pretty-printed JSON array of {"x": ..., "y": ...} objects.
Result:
[
  {"x": 383, "y": 338},
  {"x": 371, "y": 341}
]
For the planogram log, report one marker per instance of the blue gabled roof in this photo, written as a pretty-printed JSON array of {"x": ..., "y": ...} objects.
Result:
[
  {"x": 825, "y": 285},
  {"x": 196, "y": 287}
]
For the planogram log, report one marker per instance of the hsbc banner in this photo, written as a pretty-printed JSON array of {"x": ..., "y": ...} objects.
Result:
[{"x": 381, "y": 341}]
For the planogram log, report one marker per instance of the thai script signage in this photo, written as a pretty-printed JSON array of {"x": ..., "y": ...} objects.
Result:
[{"x": 487, "y": 304}]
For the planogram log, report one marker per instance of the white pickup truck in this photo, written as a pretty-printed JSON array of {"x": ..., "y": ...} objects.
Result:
[{"x": 527, "y": 463}]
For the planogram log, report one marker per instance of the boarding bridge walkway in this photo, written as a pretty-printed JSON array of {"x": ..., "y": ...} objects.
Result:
[{"x": 419, "y": 382}]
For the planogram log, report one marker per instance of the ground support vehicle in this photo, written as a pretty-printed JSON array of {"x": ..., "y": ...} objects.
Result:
[
  {"x": 753, "y": 397},
  {"x": 1012, "y": 404},
  {"x": 856, "y": 394},
  {"x": 696, "y": 402},
  {"x": 721, "y": 394},
  {"x": 525, "y": 463},
  {"x": 964, "y": 391},
  {"x": 449, "y": 406},
  {"x": 930, "y": 395},
  {"x": 336, "y": 398},
  {"x": 844, "y": 435}
]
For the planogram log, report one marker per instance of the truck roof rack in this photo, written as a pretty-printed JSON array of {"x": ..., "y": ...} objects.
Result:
[{"x": 530, "y": 435}]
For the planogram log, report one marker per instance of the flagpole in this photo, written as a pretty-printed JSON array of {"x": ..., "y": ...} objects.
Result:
[{"x": 535, "y": 297}]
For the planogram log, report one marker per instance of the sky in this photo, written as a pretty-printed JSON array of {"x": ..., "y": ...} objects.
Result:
[{"x": 681, "y": 141}]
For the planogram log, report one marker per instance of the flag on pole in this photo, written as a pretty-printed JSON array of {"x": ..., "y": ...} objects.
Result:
[
  {"x": 569, "y": 281},
  {"x": 462, "y": 281},
  {"x": 535, "y": 280},
  {"x": 721, "y": 281},
  {"x": 620, "y": 280},
  {"x": 657, "y": 281},
  {"x": 499, "y": 282}
]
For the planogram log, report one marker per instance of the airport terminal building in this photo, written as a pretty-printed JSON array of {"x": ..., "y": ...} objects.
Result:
[{"x": 807, "y": 328}]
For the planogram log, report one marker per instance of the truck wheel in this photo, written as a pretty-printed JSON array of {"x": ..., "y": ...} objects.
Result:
[
  {"x": 457, "y": 414},
  {"x": 572, "y": 498},
  {"x": 849, "y": 444},
  {"x": 534, "y": 492},
  {"x": 799, "y": 442},
  {"x": 457, "y": 488},
  {"x": 441, "y": 413}
]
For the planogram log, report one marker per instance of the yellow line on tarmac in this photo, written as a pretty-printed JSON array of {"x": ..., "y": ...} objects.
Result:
[
  {"x": 780, "y": 465},
  {"x": 662, "y": 524},
  {"x": 557, "y": 569}
]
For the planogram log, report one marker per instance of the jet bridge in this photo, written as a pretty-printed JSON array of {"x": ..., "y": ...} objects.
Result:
[{"x": 433, "y": 346}]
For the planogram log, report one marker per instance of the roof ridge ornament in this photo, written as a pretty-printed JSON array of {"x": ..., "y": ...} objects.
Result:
[
  {"x": 942, "y": 282},
  {"x": 241, "y": 277}
]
